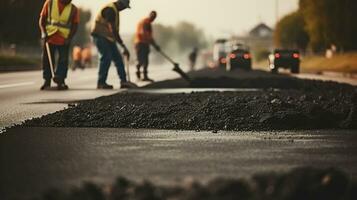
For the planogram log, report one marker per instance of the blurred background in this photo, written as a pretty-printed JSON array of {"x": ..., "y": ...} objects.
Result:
[{"x": 322, "y": 30}]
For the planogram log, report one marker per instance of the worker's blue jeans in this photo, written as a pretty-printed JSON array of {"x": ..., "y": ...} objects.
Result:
[
  {"x": 108, "y": 52},
  {"x": 62, "y": 67}
]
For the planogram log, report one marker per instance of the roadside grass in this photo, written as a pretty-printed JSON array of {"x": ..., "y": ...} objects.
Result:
[
  {"x": 343, "y": 63},
  {"x": 7, "y": 60}
]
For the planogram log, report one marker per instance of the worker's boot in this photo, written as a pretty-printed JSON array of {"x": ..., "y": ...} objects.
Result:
[
  {"x": 146, "y": 78},
  {"x": 127, "y": 85},
  {"x": 104, "y": 87},
  {"x": 46, "y": 85},
  {"x": 57, "y": 80},
  {"x": 61, "y": 85},
  {"x": 138, "y": 75}
]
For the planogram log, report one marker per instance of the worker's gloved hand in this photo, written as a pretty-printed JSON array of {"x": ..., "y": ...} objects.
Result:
[
  {"x": 126, "y": 53},
  {"x": 44, "y": 37}
]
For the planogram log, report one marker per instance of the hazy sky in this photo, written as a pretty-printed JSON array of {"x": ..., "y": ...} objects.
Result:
[{"x": 219, "y": 18}]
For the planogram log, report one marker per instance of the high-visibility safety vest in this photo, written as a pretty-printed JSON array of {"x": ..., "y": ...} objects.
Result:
[
  {"x": 142, "y": 35},
  {"x": 102, "y": 26},
  {"x": 57, "y": 22}
]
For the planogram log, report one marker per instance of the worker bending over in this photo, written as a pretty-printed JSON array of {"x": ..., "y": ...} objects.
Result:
[{"x": 106, "y": 34}]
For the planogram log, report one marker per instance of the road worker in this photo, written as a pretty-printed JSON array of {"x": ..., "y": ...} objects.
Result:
[
  {"x": 143, "y": 40},
  {"x": 58, "y": 23},
  {"x": 105, "y": 34},
  {"x": 192, "y": 57}
]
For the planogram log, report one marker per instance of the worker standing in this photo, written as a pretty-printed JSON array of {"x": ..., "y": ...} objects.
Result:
[
  {"x": 143, "y": 40},
  {"x": 192, "y": 57},
  {"x": 105, "y": 34},
  {"x": 58, "y": 23}
]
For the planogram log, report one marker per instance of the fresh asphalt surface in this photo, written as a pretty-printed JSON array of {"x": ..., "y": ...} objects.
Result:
[{"x": 35, "y": 159}]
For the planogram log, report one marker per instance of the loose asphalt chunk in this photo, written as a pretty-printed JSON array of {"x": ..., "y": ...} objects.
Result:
[{"x": 299, "y": 104}]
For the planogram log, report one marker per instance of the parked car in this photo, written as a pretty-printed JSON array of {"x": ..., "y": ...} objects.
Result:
[
  {"x": 285, "y": 58},
  {"x": 239, "y": 58},
  {"x": 220, "y": 52}
]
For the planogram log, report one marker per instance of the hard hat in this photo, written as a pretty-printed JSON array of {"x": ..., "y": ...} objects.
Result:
[{"x": 125, "y": 3}]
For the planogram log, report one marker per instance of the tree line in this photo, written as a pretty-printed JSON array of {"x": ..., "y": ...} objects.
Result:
[
  {"x": 19, "y": 23},
  {"x": 318, "y": 24}
]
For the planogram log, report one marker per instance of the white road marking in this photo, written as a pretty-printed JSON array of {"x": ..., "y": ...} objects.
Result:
[{"x": 16, "y": 85}]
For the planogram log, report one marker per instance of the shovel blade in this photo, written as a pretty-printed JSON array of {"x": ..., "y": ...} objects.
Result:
[{"x": 182, "y": 73}]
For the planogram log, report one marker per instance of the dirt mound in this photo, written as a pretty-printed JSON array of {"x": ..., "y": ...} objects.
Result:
[{"x": 302, "y": 183}]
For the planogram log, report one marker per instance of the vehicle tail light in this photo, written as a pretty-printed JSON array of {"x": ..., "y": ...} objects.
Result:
[
  {"x": 277, "y": 55},
  {"x": 296, "y": 55},
  {"x": 223, "y": 60},
  {"x": 232, "y": 56},
  {"x": 246, "y": 56}
]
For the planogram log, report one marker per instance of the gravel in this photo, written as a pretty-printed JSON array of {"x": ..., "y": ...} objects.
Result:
[
  {"x": 300, "y": 183},
  {"x": 292, "y": 104}
]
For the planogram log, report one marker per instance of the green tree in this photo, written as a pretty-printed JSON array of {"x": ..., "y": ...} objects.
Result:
[
  {"x": 330, "y": 22},
  {"x": 19, "y": 21},
  {"x": 290, "y": 32}
]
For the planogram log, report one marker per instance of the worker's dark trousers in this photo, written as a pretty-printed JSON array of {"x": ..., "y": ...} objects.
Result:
[
  {"x": 62, "y": 66},
  {"x": 108, "y": 52},
  {"x": 142, "y": 53}
]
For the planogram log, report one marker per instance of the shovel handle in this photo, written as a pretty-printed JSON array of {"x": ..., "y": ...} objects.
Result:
[
  {"x": 49, "y": 56},
  {"x": 167, "y": 57},
  {"x": 127, "y": 64}
]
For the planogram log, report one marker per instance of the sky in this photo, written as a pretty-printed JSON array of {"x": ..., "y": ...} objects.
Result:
[{"x": 218, "y": 18}]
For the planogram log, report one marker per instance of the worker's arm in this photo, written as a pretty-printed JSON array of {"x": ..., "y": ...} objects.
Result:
[
  {"x": 119, "y": 40},
  {"x": 155, "y": 45},
  {"x": 42, "y": 20},
  {"x": 109, "y": 15},
  {"x": 42, "y": 25},
  {"x": 74, "y": 27},
  {"x": 148, "y": 32}
]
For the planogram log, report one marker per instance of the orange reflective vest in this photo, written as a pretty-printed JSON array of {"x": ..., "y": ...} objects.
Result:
[{"x": 144, "y": 32}]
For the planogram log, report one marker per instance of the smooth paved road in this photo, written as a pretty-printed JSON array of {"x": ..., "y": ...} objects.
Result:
[{"x": 34, "y": 159}]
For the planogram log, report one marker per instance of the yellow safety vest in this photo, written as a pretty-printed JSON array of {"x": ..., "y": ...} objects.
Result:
[
  {"x": 57, "y": 22},
  {"x": 102, "y": 26}
]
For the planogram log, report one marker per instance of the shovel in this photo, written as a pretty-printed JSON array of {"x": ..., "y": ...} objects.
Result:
[
  {"x": 176, "y": 67},
  {"x": 127, "y": 65},
  {"x": 50, "y": 59},
  {"x": 129, "y": 85}
]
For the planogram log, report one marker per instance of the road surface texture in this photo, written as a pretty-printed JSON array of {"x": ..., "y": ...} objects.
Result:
[
  {"x": 21, "y": 99},
  {"x": 278, "y": 103},
  {"x": 34, "y": 159},
  {"x": 39, "y": 158}
]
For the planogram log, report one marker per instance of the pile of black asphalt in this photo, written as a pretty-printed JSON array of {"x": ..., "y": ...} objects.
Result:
[
  {"x": 300, "y": 183},
  {"x": 282, "y": 103}
]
